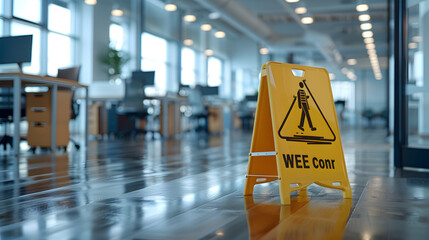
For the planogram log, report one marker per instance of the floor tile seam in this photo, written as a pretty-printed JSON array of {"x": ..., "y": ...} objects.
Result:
[
  {"x": 358, "y": 203},
  {"x": 194, "y": 207},
  {"x": 72, "y": 187},
  {"x": 186, "y": 176}
]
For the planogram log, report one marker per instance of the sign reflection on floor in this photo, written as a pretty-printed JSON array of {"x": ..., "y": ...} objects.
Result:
[{"x": 303, "y": 219}]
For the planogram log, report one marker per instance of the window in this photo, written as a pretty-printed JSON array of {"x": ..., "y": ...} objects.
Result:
[
  {"x": 59, "y": 52},
  {"x": 1, "y": 7},
  {"x": 188, "y": 66},
  {"x": 23, "y": 29},
  {"x": 59, "y": 18},
  {"x": 154, "y": 58},
  {"x": 214, "y": 72},
  {"x": 53, "y": 40},
  {"x": 59, "y": 41},
  {"x": 27, "y": 9},
  {"x": 116, "y": 36},
  {"x": 344, "y": 90}
]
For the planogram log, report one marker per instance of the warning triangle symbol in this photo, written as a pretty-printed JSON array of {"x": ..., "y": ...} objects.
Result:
[{"x": 304, "y": 121}]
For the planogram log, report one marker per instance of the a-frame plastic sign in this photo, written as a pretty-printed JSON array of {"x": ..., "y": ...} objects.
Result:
[{"x": 296, "y": 138}]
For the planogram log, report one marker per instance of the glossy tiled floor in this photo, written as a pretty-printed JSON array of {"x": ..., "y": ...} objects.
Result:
[{"x": 192, "y": 189}]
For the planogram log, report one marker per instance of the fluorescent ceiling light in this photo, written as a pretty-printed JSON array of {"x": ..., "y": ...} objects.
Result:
[
  {"x": 292, "y": 1},
  {"x": 362, "y": 7},
  {"x": 412, "y": 45},
  {"x": 367, "y": 34},
  {"x": 300, "y": 10},
  {"x": 368, "y": 40},
  {"x": 351, "y": 61},
  {"x": 264, "y": 51},
  {"x": 189, "y": 18},
  {"x": 219, "y": 34},
  {"x": 208, "y": 52},
  {"x": 366, "y": 26},
  {"x": 417, "y": 38},
  {"x": 188, "y": 42},
  {"x": 370, "y": 46},
  {"x": 206, "y": 27},
  {"x": 91, "y": 2},
  {"x": 307, "y": 20},
  {"x": 117, "y": 12},
  {"x": 170, "y": 7},
  {"x": 364, "y": 17}
]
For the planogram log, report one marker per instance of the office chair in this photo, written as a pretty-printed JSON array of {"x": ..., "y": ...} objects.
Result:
[
  {"x": 72, "y": 73},
  {"x": 198, "y": 112},
  {"x": 133, "y": 105},
  {"x": 6, "y": 114}
]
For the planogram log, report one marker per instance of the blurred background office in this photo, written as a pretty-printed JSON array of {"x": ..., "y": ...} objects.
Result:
[
  {"x": 121, "y": 95},
  {"x": 191, "y": 43}
]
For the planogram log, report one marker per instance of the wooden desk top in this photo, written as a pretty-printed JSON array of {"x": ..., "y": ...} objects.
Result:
[{"x": 36, "y": 79}]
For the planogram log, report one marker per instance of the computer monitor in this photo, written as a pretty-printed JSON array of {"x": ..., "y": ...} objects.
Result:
[
  {"x": 136, "y": 85},
  {"x": 209, "y": 91},
  {"x": 16, "y": 49},
  {"x": 146, "y": 78}
]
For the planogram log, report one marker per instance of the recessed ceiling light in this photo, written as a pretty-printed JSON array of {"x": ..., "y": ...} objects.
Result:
[
  {"x": 367, "y": 34},
  {"x": 366, "y": 26},
  {"x": 332, "y": 76},
  {"x": 344, "y": 70},
  {"x": 292, "y": 1},
  {"x": 368, "y": 40},
  {"x": 364, "y": 17},
  {"x": 264, "y": 51},
  {"x": 117, "y": 12},
  {"x": 91, "y": 2},
  {"x": 307, "y": 20},
  {"x": 370, "y": 46},
  {"x": 362, "y": 7},
  {"x": 412, "y": 45},
  {"x": 417, "y": 38},
  {"x": 170, "y": 7},
  {"x": 351, "y": 61},
  {"x": 189, "y": 18},
  {"x": 300, "y": 10},
  {"x": 219, "y": 34},
  {"x": 188, "y": 42},
  {"x": 206, "y": 27},
  {"x": 208, "y": 52}
]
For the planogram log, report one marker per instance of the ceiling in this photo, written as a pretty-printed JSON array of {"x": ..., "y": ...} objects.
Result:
[{"x": 334, "y": 36}]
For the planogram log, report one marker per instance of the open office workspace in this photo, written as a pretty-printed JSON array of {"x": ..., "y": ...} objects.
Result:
[{"x": 207, "y": 119}]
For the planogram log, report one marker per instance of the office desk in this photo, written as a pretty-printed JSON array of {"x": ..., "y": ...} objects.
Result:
[
  {"x": 170, "y": 114},
  {"x": 19, "y": 80}
]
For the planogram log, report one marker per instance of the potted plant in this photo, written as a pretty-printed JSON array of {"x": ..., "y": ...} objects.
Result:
[{"x": 114, "y": 60}]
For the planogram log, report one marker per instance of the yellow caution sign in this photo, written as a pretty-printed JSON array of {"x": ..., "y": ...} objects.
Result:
[{"x": 296, "y": 138}]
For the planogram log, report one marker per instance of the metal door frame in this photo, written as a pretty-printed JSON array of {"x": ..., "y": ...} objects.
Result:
[{"x": 404, "y": 156}]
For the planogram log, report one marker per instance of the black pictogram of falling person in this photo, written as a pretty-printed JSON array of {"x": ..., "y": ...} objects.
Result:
[{"x": 305, "y": 107}]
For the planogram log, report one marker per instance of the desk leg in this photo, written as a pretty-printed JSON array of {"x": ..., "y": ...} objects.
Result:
[
  {"x": 86, "y": 117},
  {"x": 164, "y": 118},
  {"x": 54, "y": 90},
  {"x": 16, "y": 114}
]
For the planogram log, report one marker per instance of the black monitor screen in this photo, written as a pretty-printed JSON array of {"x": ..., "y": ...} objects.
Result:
[
  {"x": 146, "y": 78},
  {"x": 16, "y": 49},
  {"x": 207, "y": 91}
]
